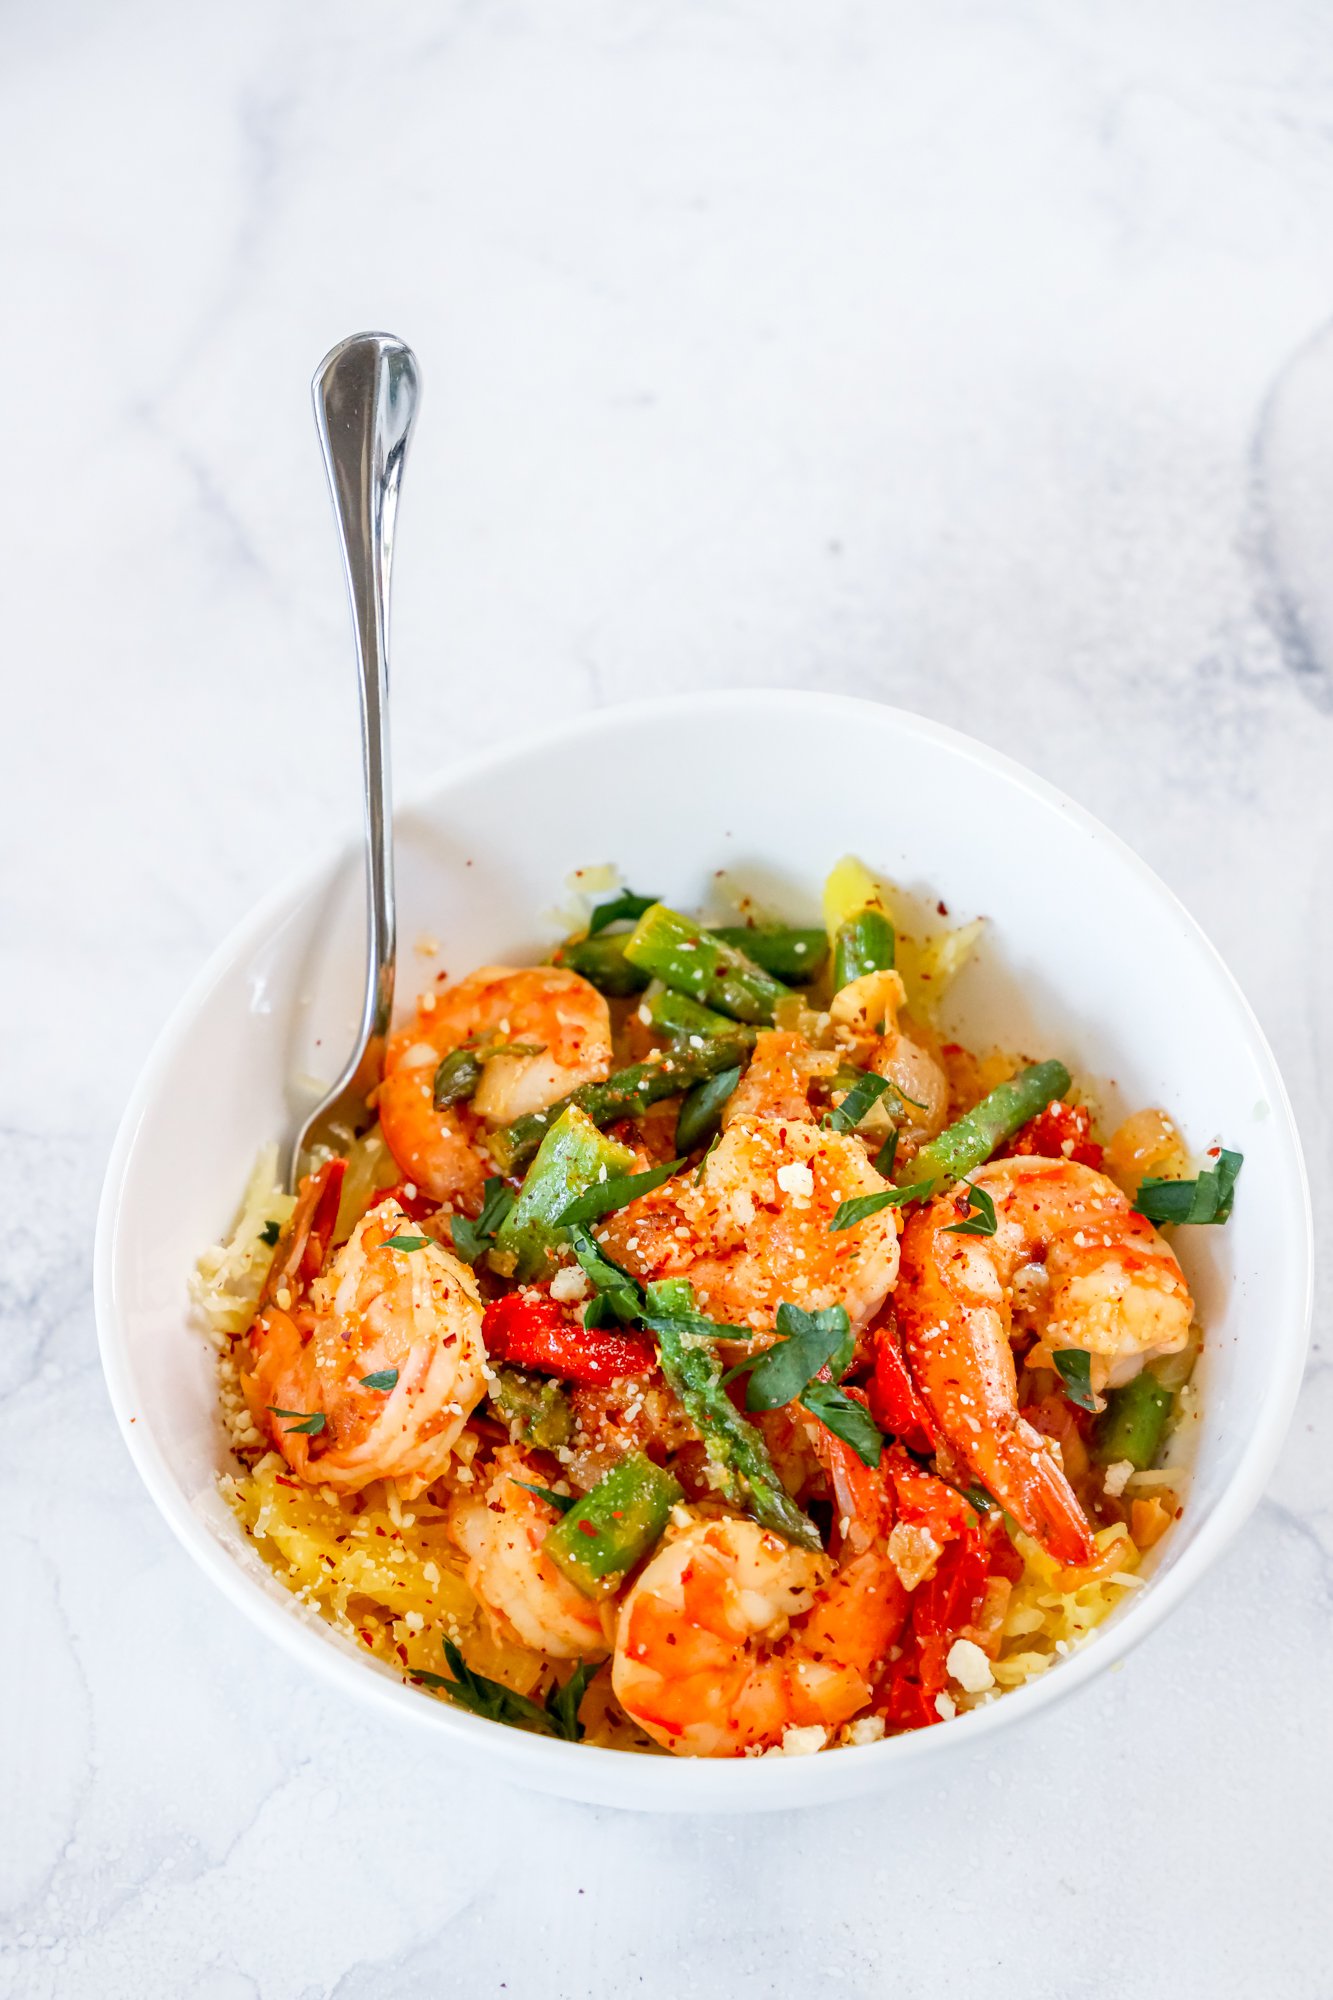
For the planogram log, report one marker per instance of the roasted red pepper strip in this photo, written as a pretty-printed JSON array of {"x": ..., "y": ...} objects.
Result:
[
  {"x": 417, "y": 1205},
  {"x": 909, "y": 1706},
  {"x": 530, "y": 1330},
  {"x": 891, "y": 1392},
  {"x": 1060, "y": 1132},
  {"x": 946, "y": 1602},
  {"x": 928, "y": 1502}
]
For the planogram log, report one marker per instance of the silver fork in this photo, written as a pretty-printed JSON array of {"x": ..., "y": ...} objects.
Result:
[{"x": 366, "y": 393}]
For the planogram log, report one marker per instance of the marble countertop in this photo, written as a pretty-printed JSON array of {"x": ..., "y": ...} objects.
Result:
[{"x": 978, "y": 358}]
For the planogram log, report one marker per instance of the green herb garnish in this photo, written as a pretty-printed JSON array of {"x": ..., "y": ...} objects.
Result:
[
  {"x": 849, "y": 1213},
  {"x": 626, "y": 1300},
  {"x": 615, "y": 1192},
  {"x": 616, "y": 1291},
  {"x": 383, "y": 1378},
  {"x": 562, "y": 1502},
  {"x": 787, "y": 1372},
  {"x": 270, "y": 1233},
  {"x": 981, "y": 1220},
  {"x": 1074, "y": 1367},
  {"x": 312, "y": 1421},
  {"x": 626, "y": 905},
  {"x": 865, "y": 1092},
  {"x": 847, "y": 1419},
  {"x": 1207, "y": 1199},
  {"x": 563, "y": 1704},
  {"x": 470, "y": 1238},
  {"x": 887, "y": 1154},
  {"x": 557, "y": 1716},
  {"x": 404, "y": 1243},
  {"x": 979, "y": 1498},
  {"x": 807, "y": 1342}
]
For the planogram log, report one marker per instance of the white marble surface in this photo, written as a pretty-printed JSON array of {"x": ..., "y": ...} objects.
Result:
[{"x": 973, "y": 356}]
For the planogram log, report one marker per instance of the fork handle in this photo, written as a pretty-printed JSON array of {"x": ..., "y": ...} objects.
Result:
[{"x": 366, "y": 393}]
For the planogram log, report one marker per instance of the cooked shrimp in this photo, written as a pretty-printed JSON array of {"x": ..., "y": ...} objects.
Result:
[
  {"x": 865, "y": 1014},
  {"x": 731, "y": 1636},
  {"x": 412, "y": 1315},
  {"x": 777, "y": 1081},
  {"x": 544, "y": 1008},
  {"x": 1083, "y": 1270},
  {"x": 526, "y": 1598},
  {"x": 755, "y": 1229}
]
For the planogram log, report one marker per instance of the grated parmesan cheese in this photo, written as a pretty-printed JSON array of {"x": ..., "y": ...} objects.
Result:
[
  {"x": 800, "y": 1742},
  {"x": 796, "y": 1179},
  {"x": 969, "y": 1666}
]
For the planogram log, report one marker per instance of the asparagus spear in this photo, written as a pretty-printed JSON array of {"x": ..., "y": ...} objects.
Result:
[
  {"x": 676, "y": 1014},
  {"x": 595, "y": 1542},
  {"x": 973, "y": 1138},
  {"x": 696, "y": 962},
  {"x": 1132, "y": 1424},
  {"x": 689, "y": 1362},
  {"x": 572, "y": 1157},
  {"x": 602, "y": 962},
  {"x": 537, "y": 1404},
  {"x": 789, "y": 953},
  {"x": 782, "y": 949},
  {"x": 735, "y": 1447},
  {"x": 457, "y": 1077},
  {"x": 623, "y": 1095},
  {"x": 864, "y": 943},
  {"x": 701, "y": 1110}
]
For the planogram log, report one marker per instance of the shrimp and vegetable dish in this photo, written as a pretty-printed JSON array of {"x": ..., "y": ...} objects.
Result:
[{"x": 696, "y": 1351}]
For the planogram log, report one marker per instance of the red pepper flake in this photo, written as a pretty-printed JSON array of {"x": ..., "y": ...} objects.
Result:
[
  {"x": 587, "y": 1528},
  {"x": 366, "y": 1638}
]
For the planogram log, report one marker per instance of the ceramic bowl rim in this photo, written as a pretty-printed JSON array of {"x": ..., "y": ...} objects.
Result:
[{"x": 670, "y": 1783}]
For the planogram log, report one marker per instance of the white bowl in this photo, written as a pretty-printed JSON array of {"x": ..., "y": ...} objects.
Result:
[{"x": 1087, "y": 956}]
